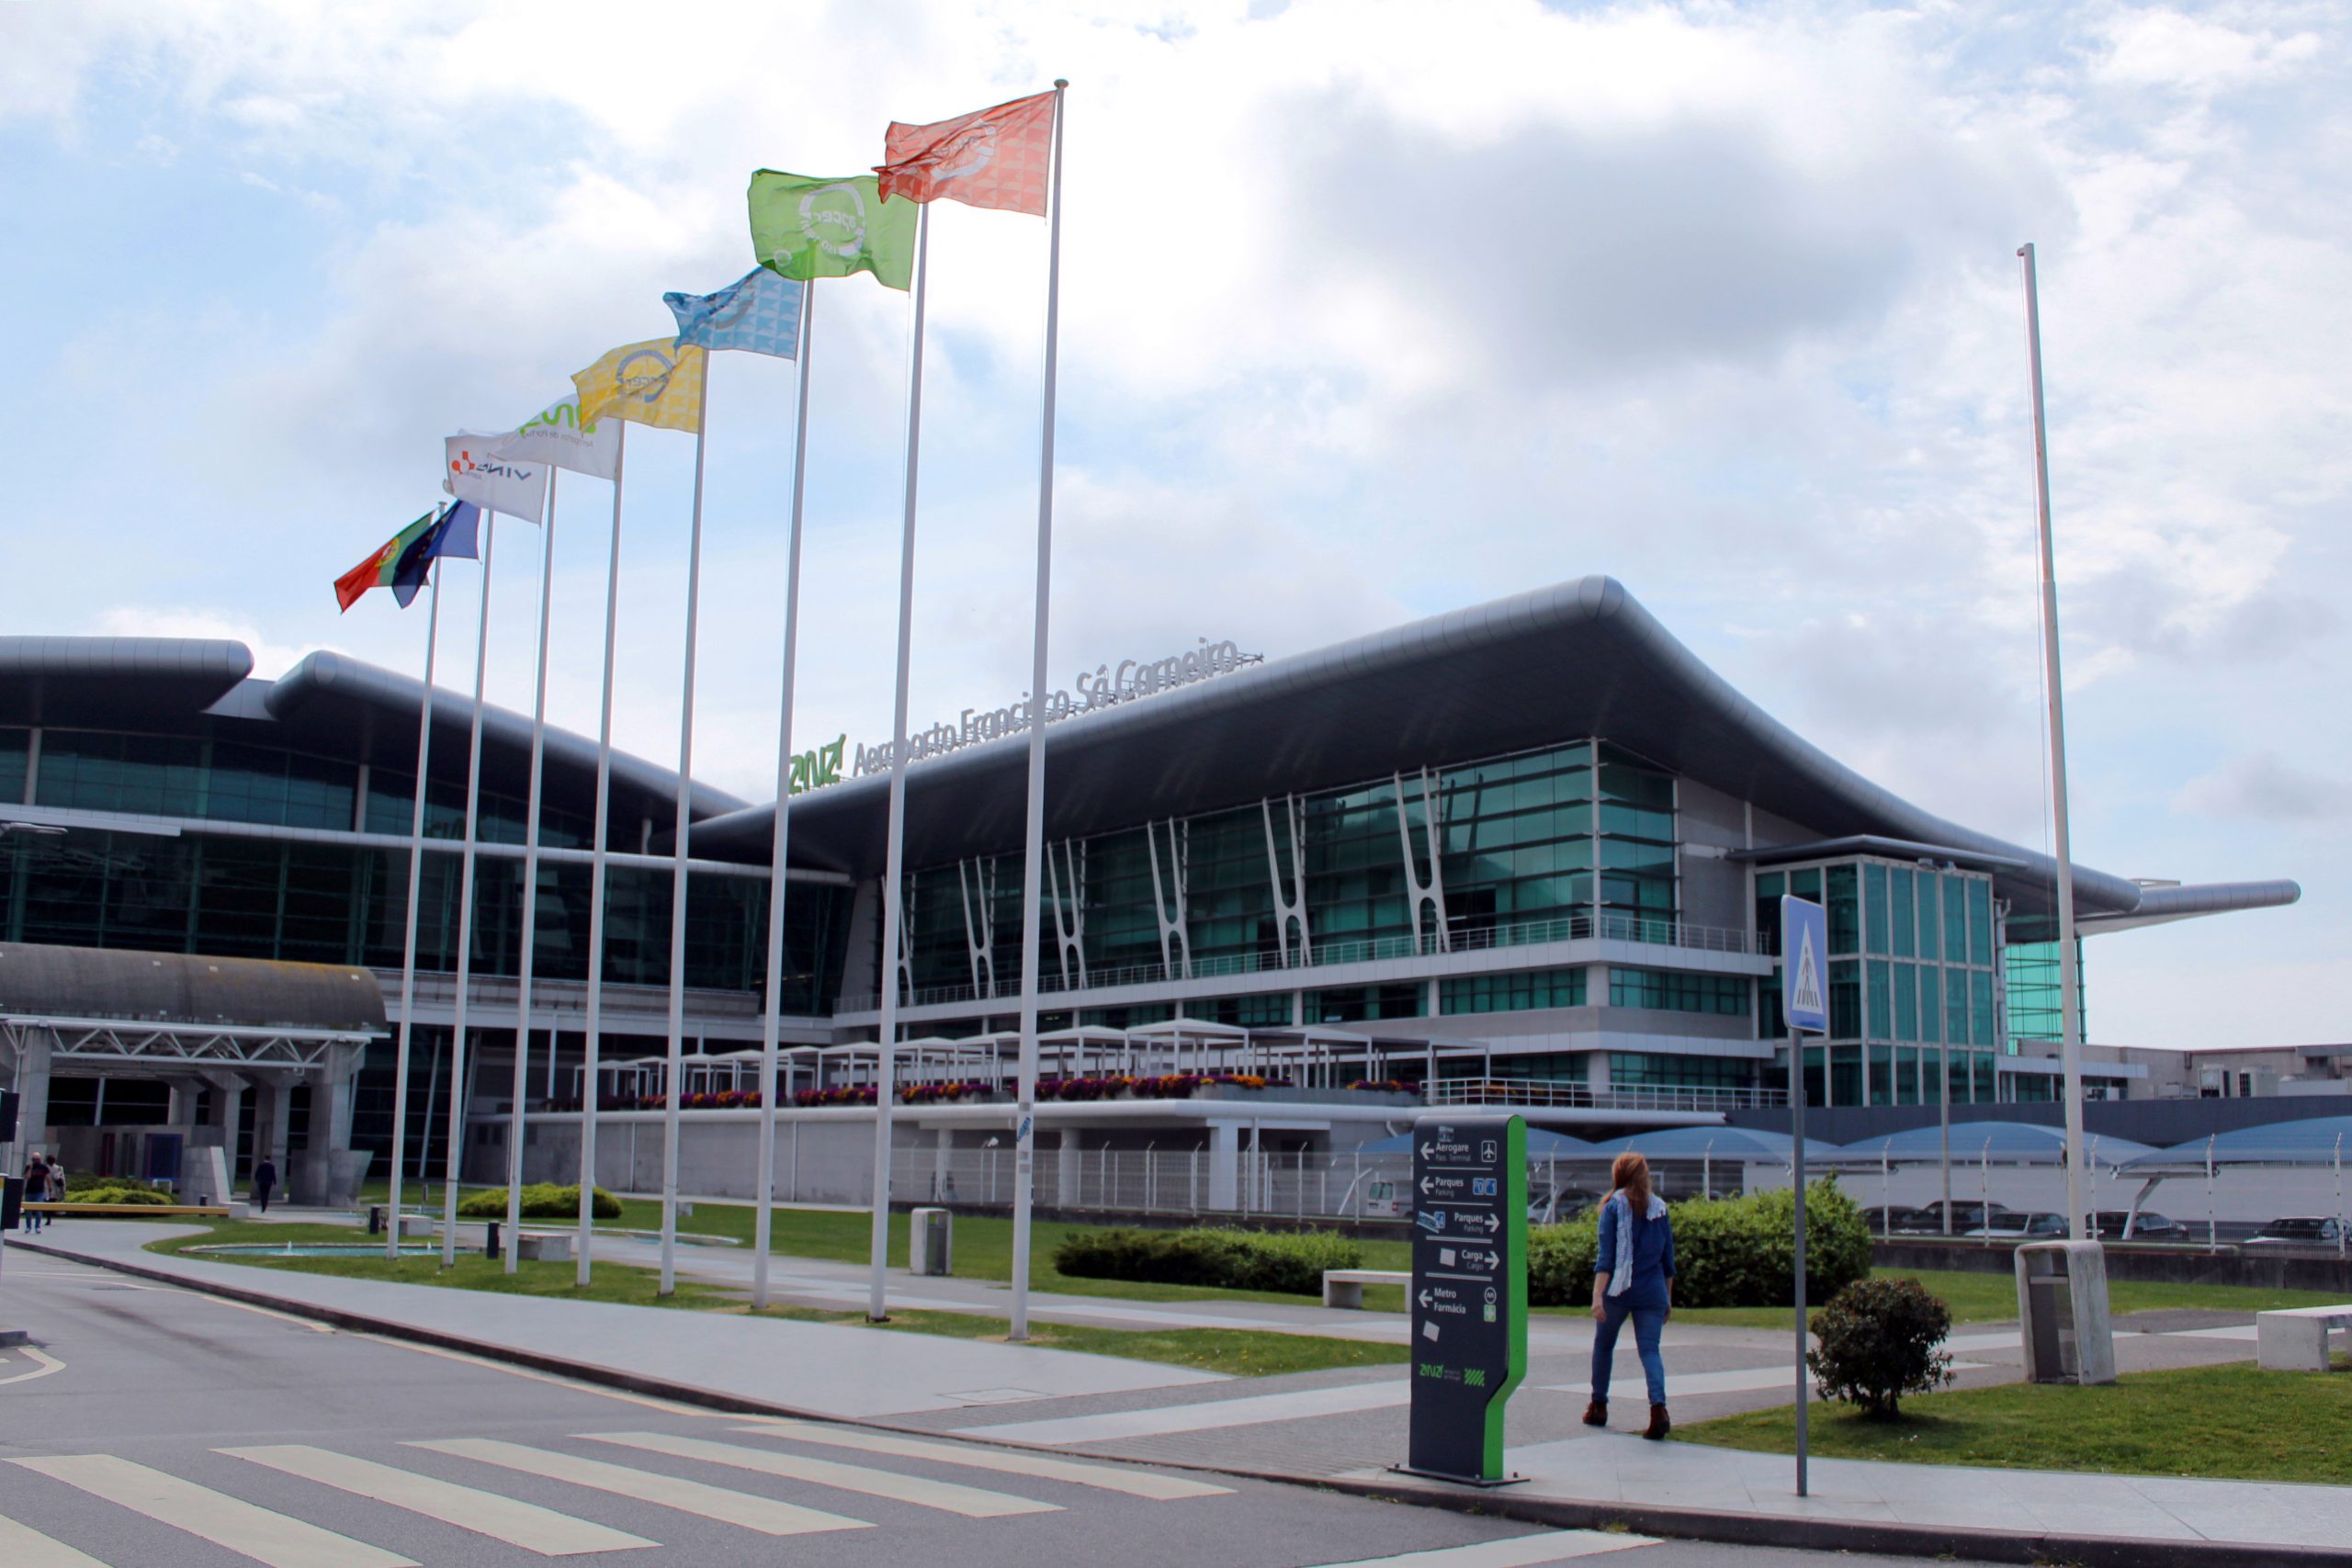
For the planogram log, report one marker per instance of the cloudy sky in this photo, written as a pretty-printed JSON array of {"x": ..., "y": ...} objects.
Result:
[{"x": 1372, "y": 311}]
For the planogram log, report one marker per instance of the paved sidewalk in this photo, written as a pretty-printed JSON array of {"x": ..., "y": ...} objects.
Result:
[
  {"x": 1614, "y": 1469},
  {"x": 816, "y": 1368}
]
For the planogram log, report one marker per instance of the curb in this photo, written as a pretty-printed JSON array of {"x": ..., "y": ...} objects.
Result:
[{"x": 1784, "y": 1531}]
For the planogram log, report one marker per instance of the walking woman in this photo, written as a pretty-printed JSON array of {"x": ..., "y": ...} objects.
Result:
[{"x": 1632, "y": 1276}]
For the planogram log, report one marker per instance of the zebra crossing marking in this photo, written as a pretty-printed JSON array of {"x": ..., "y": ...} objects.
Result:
[
  {"x": 1514, "y": 1552},
  {"x": 21, "y": 1546},
  {"x": 246, "y": 1528},
  {"x": 1143, "y": 1483},
  {"x": 761, "y": 1514},
  {"x": 526, "y": 1525},
  {"x": 972, "y": 1502}
]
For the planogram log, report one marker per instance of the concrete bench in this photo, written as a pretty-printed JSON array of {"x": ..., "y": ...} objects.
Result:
[
  {"x": 2295, "y": 1338},
  {"x": 543, "y": 1246},
  {"x": 1344, "y": 1287}
]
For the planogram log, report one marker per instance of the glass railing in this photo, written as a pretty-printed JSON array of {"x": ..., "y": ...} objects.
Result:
[{"x": 1607, "y": 926}]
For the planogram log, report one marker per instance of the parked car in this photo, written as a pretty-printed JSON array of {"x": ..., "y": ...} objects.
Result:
[
  {"x": 2109, "y": 1225},
  {"x": 1556, "y": 1205},
  {"x": 2012, "y": 1226},
  {"x": 1899, "y": 1219},
  {"x": 2319, "y": 1232},
  {"x": 1966, "y": 1218}
]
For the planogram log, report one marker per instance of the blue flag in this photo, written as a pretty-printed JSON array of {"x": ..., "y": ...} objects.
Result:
[
  {"x": 758, "y": 313},
  {"x": 457, "y": 533}
]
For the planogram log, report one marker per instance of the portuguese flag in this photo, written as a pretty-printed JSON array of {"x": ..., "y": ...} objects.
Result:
[{"x": 402, "y": 564}]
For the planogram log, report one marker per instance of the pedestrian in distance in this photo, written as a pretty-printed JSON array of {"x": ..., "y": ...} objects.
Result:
[
  {"x": 36, "y": 1191},
  {"x": 1632, "y": 1276},
  {"x": 264, "y": 1181}
]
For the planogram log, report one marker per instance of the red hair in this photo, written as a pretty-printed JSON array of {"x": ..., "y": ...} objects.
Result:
[{"x": 1629, "y": 1174}]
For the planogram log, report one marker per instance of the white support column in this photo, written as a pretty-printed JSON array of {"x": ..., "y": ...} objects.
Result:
[
  {"x": 975, "y": 880},
  {"x": 1424, "y": 890},
  {"x": 1289, "y": 893},
  {"x": 1069, "y": 913},
  {"x": 1172, "y": 914},
  {"x": 1067, "y": 1170},
  {"x": 1225, "y": 1165}
]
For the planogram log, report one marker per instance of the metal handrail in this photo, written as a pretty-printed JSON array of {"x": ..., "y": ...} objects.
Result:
[{"x": 1552, "y": 1093}]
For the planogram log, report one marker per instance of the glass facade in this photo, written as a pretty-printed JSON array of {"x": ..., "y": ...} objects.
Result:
[
  {"x": 1673, "y": 991},
  {"x": 1534, "y": 847},
  {"x": 14, "y": 746},
  {"x": 225, "y": 781},
  {"x": 1520, "y": 992},
  {"x": 2034, "y": 991},
  {"x": 1643, "y": 1069},
  {"x": 1911, "y": 967},
  {"x": 328, "y": 903}
]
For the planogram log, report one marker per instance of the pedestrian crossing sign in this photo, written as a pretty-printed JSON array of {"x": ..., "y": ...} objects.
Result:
[{"x": 1804, "y": 939}]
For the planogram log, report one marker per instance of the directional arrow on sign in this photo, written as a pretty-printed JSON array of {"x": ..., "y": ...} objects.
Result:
[
  {"x": 1425, "y": 1186},
  {"x": 1425, "y": 1301},
  {"x": 1429, "y": 1151},
  {"x": 1494, "y": 1222}
]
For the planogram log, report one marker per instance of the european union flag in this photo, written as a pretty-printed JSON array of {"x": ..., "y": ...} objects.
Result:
[{"x": 758, "y": 313}]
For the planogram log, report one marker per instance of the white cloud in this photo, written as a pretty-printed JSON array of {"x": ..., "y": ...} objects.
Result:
[{"x": 271, "y": 659}]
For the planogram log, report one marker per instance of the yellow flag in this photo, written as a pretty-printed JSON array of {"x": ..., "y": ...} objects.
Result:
[{"x": 653, "y": 382}]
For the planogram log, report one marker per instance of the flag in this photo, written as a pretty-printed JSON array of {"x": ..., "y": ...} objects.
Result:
[
  {"x": 759, "y": 314},
  {"x": 805, "y": 227},
  {"x": 997, "y": 157},
  {"x": 655, "y": 382},
  {"x": 478, "y": 474},
  {"x": 559, "y": 438},
  {"x": 400, "y": 565}
]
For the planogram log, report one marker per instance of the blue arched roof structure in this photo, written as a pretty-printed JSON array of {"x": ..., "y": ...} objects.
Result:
[
  {"x": 2317, "y": 1140},
  {"x": 1759, "y": 1144},
  {"x": 2003, "y": 1143}
]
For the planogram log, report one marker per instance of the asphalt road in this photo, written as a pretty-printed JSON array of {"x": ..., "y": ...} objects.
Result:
[{"x": 146, "y": 1426}]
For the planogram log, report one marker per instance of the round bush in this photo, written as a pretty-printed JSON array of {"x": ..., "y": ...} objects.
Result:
[
  {"x": 1878, "y": 1343},
  {"x": 122, "y": 1197}
]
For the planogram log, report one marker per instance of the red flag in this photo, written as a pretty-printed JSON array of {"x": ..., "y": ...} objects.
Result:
[{"x": 997, "y": 157}]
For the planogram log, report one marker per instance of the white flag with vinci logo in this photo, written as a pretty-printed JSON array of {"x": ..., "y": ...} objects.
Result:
[
  {"x": 506, "y": 485},
  {"x": 558, "y": 436}
]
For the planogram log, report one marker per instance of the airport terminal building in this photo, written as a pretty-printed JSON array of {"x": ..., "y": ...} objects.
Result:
[{"x": 1527, "y": 853}]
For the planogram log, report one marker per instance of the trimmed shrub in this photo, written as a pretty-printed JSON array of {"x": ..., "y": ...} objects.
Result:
[
  {"x": 1878, "y": 1343},
  {"x": 1223, "y": 1259},
  {"x": 1727, "y": 1251},
  {"x": 78, "y": 1182},
  {"x": 121, "y": 1197},
  {"x": 541, "y": 1200}
]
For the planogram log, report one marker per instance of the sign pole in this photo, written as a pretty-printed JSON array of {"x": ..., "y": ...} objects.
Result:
[
  {"x": 1804, "y": 1003},
  {"x": 408, "y": 949},
  {"x": 592, "y": 1043},
  {"x": 1796, "y": 1147}
]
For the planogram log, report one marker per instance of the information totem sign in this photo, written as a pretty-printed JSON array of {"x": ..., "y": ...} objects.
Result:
[{"x": 1469, "y": 1293}]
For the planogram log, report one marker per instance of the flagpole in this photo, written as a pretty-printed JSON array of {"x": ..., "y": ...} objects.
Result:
[
  {"x": 2070, "y": 1016},
  {"x": 454, "y": 1147},
  {"x": 408, "y": 952},
  {"x": 675, "y": 1085},
  {"x": 1024, "y": 1137},
  {"x": 591, "y": 1048},
  {"x": 887, "y": 1062},
  {"x": 763, "y": 1209},
  {"x": 530, "y": 900}
]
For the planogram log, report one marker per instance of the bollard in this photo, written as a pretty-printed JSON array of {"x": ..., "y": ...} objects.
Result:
[{"x": 491, "y": 1249}]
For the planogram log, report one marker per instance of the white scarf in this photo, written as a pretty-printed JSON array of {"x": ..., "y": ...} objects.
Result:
[{"x": 1621, "y": 1277}]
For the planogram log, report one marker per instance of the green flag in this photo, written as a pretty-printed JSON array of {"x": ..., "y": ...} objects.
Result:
[{"x": 805, "y": 227}]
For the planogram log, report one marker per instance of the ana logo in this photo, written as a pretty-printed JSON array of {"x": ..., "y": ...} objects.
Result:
[
  {"x": 644, "y": 375},
  {"x": 968, "y": 151},
  {"x": 833, "y": 218},
  {"x": 465, "y": 464}
]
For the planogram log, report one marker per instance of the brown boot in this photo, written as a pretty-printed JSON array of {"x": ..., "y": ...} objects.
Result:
[
  {"x": 1597, "y": 1413},
  {"x": 1659, "y": 1425}
]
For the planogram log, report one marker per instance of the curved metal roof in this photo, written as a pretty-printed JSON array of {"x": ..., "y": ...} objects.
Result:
[
  {"x": 2005, "y": 1142},
  {"x": 1541, "y": 1144},
  {"x": 2311, "y": 1140},
  {"x": 1716, "y": 1142},
  {"x": 68, "y": 680},
  {"x": 1577, "y": 658},
  {"x": 353, "y": 701},
  {"x": 119, "y": 984}
]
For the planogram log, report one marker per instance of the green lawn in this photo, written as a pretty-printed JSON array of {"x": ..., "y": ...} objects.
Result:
[
  {"x": 1993, "y": 1298},
  {"x": 1238, "y": 1352},
  {"x": 2235, "y": 1422},
  {"x": 607, "y": 1282}
]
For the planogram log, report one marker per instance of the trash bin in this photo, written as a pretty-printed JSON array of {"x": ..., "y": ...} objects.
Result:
[
  {"x": 931, "y": 1242},
  {"x": 2062, "y": 1305}
]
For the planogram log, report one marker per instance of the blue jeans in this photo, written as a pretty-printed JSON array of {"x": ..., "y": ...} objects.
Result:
[{"x": 1647, "y": 1323}]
